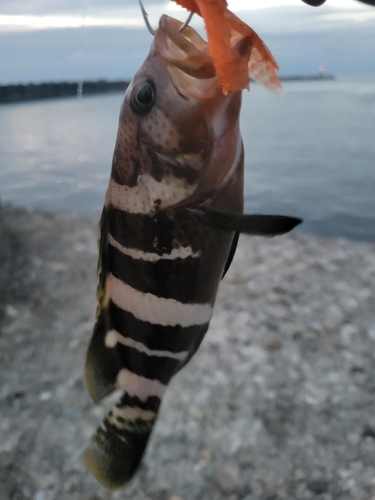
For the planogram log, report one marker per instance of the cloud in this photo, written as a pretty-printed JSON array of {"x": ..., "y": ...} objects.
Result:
[
  {"x": 46, "y": 7},
  {"x": 33, "y": 22},
  {"x": 291, "y": 15},
  {"x": 72, "y": 54}
]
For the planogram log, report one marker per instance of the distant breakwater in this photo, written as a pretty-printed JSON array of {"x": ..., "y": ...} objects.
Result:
[
  {"x": 54, "y": 90},
  {"x": 294, "y": 78}
]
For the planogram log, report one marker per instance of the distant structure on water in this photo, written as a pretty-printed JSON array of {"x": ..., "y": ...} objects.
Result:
[{"x": 321, "y": 75}]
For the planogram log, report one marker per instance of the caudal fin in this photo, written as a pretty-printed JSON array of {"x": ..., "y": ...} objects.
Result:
[{"x": 116, "y": 449}]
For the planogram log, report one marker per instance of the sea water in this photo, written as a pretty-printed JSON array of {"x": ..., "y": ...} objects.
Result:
[{"x": 309, "y": 152}]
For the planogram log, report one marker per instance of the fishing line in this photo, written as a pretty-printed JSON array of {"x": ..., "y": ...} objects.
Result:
[
  {"x": 84, "y": 76},
  {"x": 84, "y": 47}
]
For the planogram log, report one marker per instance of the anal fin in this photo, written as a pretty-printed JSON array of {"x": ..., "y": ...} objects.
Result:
[{"x": 102, "y": 364}]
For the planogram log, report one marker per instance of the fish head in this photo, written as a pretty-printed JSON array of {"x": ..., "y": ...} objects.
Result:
[{"x": 178, "y": 133}]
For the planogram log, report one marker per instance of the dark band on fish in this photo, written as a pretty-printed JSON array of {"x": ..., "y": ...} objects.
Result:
[
  {"x": 152, "y": 403},
  {"x": 150, "y": 277},
  {"x": 159, "y": 232},
  {"x": 160, "y": 368},
  {"x": 125, "y": 176}
]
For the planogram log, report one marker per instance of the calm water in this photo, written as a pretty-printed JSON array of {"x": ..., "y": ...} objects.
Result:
[{"x": 310, "y": 152}]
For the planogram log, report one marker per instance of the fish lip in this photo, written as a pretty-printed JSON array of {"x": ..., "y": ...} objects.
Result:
[{"x": 187, "y": 59}]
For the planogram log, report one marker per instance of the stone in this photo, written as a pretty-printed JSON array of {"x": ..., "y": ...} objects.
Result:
[
  {"x": 369, "y": 431},
  {"x": 267, "y": 481},
  {"x": 195, "y": 413},
  {"x": 371, "y": 333},
  {"x": 356, "y": 465},
  {"x": 226, "y": 481},
  {"x": 318, "y": 486},
  {"x": 299, "y": 475},
  {"x": 348, "y": 333},
  {"x": 334, "y": 317},
  {"x": 206, "y": 454},
  {"x": 274, "y": 345}
]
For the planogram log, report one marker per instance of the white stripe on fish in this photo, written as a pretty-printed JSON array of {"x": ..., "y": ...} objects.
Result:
[
  {"x": 143, "y": 198},
  {"x": 176, "y": 253},
  {"x": 138, "y": 386},
  {"x": 157, "y": 310},
  {"x": 129, "y": 413},
  {"x": 113, "y": 337}
]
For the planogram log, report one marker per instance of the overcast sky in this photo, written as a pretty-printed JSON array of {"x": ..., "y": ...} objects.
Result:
[{"x": 44, "y": 40}]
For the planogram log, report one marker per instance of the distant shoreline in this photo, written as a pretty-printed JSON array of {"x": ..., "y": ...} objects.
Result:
[
  {"x": 297, "y": 78},
  {"x": 54, "y": 90}
]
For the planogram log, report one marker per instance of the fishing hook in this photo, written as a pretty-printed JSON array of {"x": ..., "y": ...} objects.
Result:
[{"x": 149, "y": 27}]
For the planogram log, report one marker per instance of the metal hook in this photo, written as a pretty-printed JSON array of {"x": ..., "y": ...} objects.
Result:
[
  {"x": 186, "y": 23},
  {"x": 149, "y": 27}
]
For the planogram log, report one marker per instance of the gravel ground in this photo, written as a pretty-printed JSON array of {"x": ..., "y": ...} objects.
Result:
[{"x": 278, "y": 403}]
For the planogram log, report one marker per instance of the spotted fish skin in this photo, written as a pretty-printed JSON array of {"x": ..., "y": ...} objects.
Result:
[{"x": 178, "y": 149}]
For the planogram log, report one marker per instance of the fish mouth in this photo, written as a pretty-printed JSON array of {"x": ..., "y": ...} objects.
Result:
[{"x": 187, "y": 59}]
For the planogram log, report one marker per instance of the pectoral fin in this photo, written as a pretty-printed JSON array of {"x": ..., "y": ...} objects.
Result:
[
  {"x": 252, "y": 224},
  {"x": 231, "y": 253}
]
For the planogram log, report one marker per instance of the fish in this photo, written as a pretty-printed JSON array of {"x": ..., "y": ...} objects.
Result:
[{"x": 169, "y": 228}]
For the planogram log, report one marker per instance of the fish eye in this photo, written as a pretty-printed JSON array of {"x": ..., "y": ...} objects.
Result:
[{"x": 142, "y": 98}]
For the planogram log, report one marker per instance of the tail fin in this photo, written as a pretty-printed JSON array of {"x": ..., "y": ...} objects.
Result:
[{"x": 117, "y": 447}]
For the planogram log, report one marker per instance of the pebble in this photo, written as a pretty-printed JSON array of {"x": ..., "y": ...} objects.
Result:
[
  {"x": 225, "y": 481},
  {"x": 267, "y": 481},
  {"x": 334, "y": 316},
  {"x": 318, "y": 486},
  {"x": 299, "y": 475},
  {"x": 356, "y": 465},
  {"x": 206, "y": 454},
  {"x": 371, "y": 333},
  {"x": 45, "y": 396},
  {"x": 195, "y": 413},
  {"x": 369, "y": 431},
  {"x": 10, "y": 311},
  {"x": 348, "y": 334},
  {"x": 274, "y": 345}
]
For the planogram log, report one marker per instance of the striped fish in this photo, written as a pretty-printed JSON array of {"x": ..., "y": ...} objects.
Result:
[{"x": 169, "y": 229}]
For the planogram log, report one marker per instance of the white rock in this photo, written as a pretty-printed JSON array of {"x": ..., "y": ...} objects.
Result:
[{"x": 348, "y": 333}]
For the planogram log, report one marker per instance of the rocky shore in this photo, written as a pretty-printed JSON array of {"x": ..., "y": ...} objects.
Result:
[{"x": 278, "y": 403}]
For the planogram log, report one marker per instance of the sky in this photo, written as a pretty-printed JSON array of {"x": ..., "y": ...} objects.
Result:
[{"x": 55, "y": 40}]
